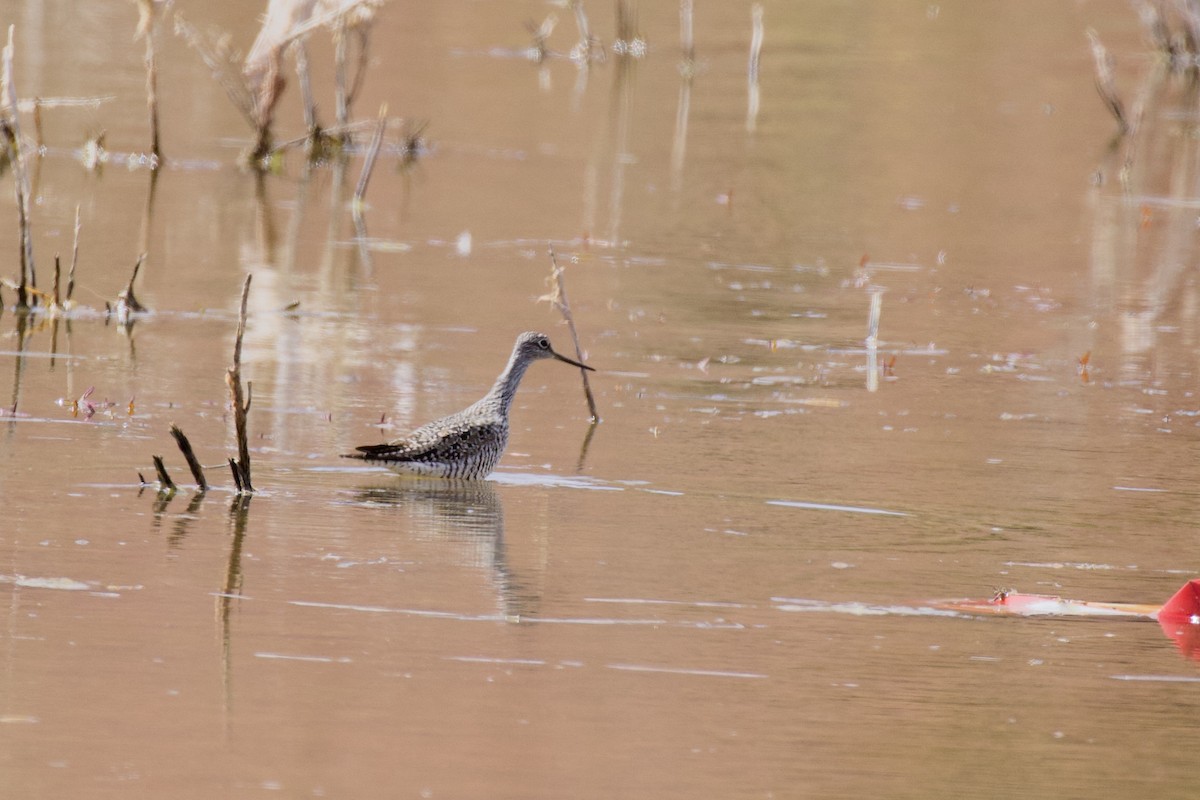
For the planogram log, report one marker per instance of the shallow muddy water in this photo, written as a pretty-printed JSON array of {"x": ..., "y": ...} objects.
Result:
[{"x": 722, "y": 589}]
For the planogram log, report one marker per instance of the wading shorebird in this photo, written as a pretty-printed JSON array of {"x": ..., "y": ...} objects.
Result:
[{"x": 467, "y": 444}]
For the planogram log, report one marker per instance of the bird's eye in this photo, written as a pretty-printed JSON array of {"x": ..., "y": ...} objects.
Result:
[{"x": 544, "y": 344}]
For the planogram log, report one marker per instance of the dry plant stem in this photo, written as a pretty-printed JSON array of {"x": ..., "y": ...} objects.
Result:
[
  {"x": 363, "y": 34},
  {"x": 686, "y": 36},
  {"x": 241, "y": 402},
  {"x": 372, "y": 154},
  {"x": 341, "y": 93},
  {"x": 300, "y": 51},
  {"x": 55, "y": 302},
  {"x": 189, "y": 456},
  {"x": 237, "y": 474},
  {"x": 74, "y": 258},
  {"x": 12, "y": 133},
  {"x": 164, "y": 480},
  {"x": 626, "y": 22},
  {"x": 1105, "y": 84},
  {"x": 559, "y": 298},
  {"x": 145, "y": 30},
  {"x": 756, "y": 41}
]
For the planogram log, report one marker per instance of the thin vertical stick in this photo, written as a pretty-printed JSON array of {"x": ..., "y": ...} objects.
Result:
[
  {"x": 300, "y": 53},
  {"x": 340, "y": 92},
  {"x": 558, "y": 298},
  {"x": 189, "y": 456},
  {"x": 55, "y": 302},
  {"x": 74, "y": 258},
  {"x": 12, "y": 132},
  {"x": 241, "y": 402},
  {"x": 756, "y": 41},
  {"x": 145, "y": 30},
  {"x": 372, "y": 154},
  {"x": 686, "y": 37},
  {"x": 872, "y": 340}
]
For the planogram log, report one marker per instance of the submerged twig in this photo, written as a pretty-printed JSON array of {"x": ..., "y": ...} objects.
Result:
[
  {"x": 240, "y": 400},
  {"x": 558, "y": 298},
  {"x": 189, "y": 456}
]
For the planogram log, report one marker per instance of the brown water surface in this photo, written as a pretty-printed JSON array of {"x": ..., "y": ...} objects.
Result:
[{"x": 719, "y": 590}]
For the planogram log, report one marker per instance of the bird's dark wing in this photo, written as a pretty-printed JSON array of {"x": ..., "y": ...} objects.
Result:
[{"x": 439, "y": 442}]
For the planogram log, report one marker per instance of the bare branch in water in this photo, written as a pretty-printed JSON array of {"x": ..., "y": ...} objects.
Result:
[
  {"x": 189, "y": 456},
  {"x": 241, "y": 402},
  {"x": 164, "y": 480},
  {"x": 558, "y": 299}
]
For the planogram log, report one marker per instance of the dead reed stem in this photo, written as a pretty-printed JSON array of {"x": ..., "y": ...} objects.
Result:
[
  {"x": 12, "y": 133},
  {"x": 237, "y": 475},
  {"x": 341, "y": 94},
  {"x": 372, "y": 154},
  {"x": 241, "y": 401},
  {"x": 1105, "y": 83},
  {"x": 164, "y": 480},
  {"x": 558, "y": 298},
  {"x": 753, "y": 93},
  {"x": 127, "y": 302},
  {"x": 74, "y": 258},
  {"x": 300, "y": 52},
  {"x": 626, "y": 22},
  {"x": 687, "y": 42},
  {"x": 145, "y": 31},
  {"x": 189, "y": 456}
]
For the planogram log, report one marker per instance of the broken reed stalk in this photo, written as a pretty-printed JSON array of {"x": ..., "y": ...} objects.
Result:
[
  {"x": 341, "y": 95},
  {"x": 237, "y": 474},
  {"x": 626, "y": 22},
  {"x": 164, "y": 480},
  {"x": 74, "y": 258},
  {"x": 558, "y": 297},
  {"x": 1105, "y": 84},
  {"x": 756, "y": 41},
  {"x": 189, "y": 456},
  {"x": 687, "y": 42},
  {"x": 241, "y": 402},
  {"x": 55, "y": 304},
  {"x": 11, "y": 129},
  {"x": 145, "y": 30},
  {"x": 300, "y": 53},
  {"x": 127, "y": 302},
  {"x": 372, "y": 154}
]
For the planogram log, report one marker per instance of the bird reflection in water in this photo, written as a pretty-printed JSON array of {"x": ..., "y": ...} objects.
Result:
[{"x": 466, "y": 515}]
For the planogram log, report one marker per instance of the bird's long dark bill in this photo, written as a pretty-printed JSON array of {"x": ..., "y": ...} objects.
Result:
[{"x": 572, "y": 362}]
